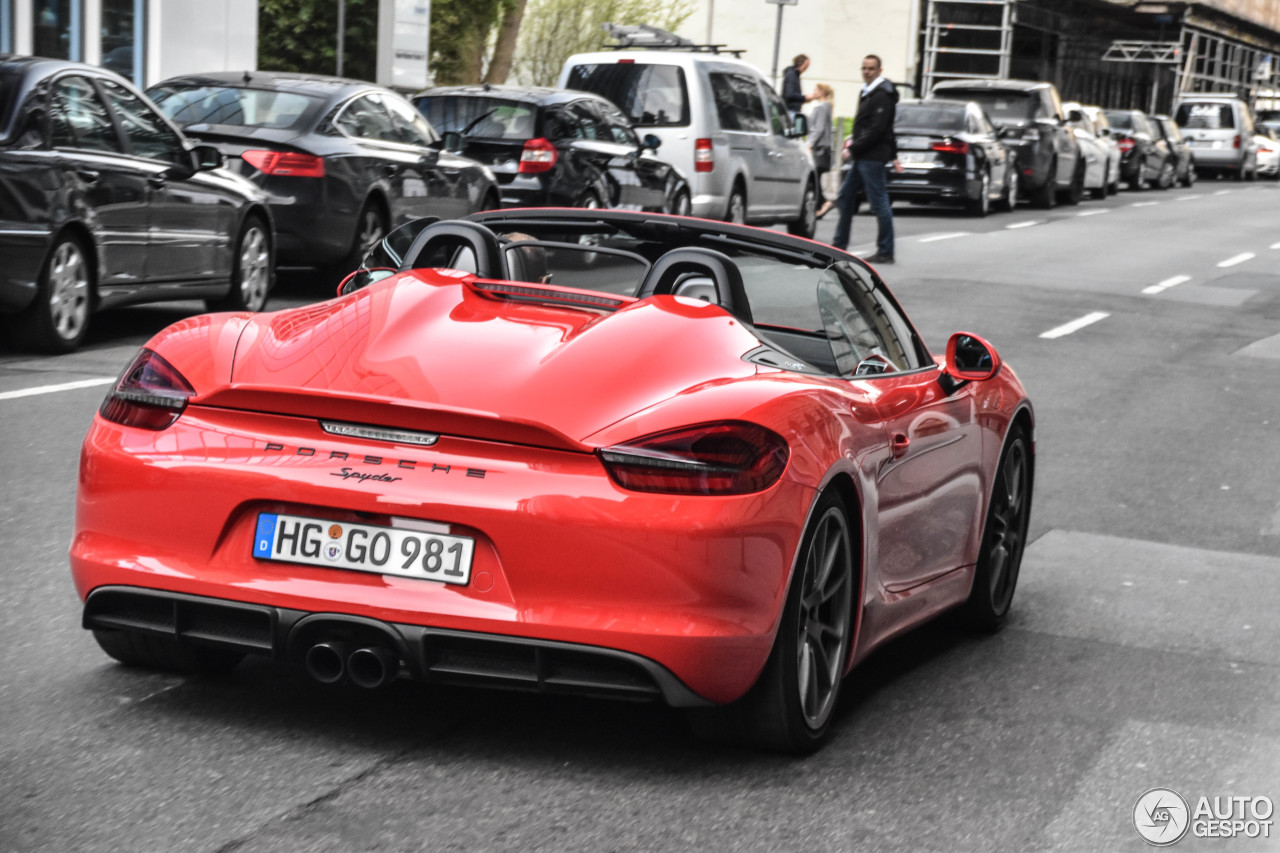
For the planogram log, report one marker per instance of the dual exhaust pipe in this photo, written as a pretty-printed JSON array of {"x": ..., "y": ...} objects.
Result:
[{"x": 369, "y": 667}]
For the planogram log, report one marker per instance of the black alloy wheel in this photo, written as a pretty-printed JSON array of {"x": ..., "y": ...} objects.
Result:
[
  {"x": 1189, "y": 178},
  {"x": 807, "y": 223},
  {"x": 791, "y": 706},
  {"x": 57, "y": 319},
  {"x": 590, "y": 201},
  {"x": 981, "y": 205},
  {"x": 1004, "y": 537},
  {"x": 251, "y": 270},
  {"x": 165, "y": 653},
  {"x": 1168, "y": 171}
]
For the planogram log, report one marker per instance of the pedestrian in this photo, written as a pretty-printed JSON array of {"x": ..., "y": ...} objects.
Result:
[
  {"x": 872, "y": 146},
  {"x": 822, "y": 140},
  {"x": 792, "y": 92}
]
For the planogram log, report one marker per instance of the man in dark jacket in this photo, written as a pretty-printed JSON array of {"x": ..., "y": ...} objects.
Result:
[
  {"x": 792, "y": 90},
  {"x": 873, "y": 145}
]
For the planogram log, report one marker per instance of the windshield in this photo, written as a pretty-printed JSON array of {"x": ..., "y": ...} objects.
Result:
[
  {"x": 925, "y": 116},
  {"x": 649, "y": 95},
  {"x": 1120, "y": 119},
  {"x": 231, "y": 105},
  {"x": 488, "y": 117},
  {"x": 1206, "y": 116},
  {"x": 1001, "y": 107}
]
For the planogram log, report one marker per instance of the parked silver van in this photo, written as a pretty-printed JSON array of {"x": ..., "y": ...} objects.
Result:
[
  {"x": 720, "y": 122},
  {"x": 1219, "y": 129}
]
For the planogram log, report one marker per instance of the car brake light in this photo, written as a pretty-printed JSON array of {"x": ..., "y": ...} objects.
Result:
[
  {"x": 538, "y": 155},
  {"x": 285, "y": 163},
  {"x": 150, "y": 394},
  {"x": 1236, "y": 144},
  {"x": 951, "y": 146},
  {"x": 731, "y": 458},
  {"x": 1125, "y": 143},
  {"x": 703, "y": 156},
  {"x": 626, "y": 62}
]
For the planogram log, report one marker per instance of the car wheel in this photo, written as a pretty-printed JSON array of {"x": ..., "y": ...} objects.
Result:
[
  {"x": 737, "y": 210},
  {"x": 57, "y": 320},
  {"x": 1004, "y": 536},
  {"x": 1190, "y": 177},
  {"x": 1010, "y": 201},
  {"x": 165, "y": 653},
  {"x": 251, "y": 270},
  {"x": 981, "y": 205},
  {"x": 1075, "y": 192},
  {"x": 808, "y": 221},
  {"x": 1167, "y": 173},
  {"x": 1047, "y": 196},
  {"x": 491, "y": 202},
  {"x": 791, "y": 705},
  {"x": 371, "y": 227},
  {"x": 682, "y": 206},
  {"x": 590, "y": 201}
]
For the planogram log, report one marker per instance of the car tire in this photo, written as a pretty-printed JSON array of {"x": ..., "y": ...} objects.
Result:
[
  {"x": 491, "y": 202},
  {"x": 1009, "y": 202},
  {"x": 165, "y": 653},
  {"x": 589, "y": 201},
  {"x": 57, "y": 320},
  {"x": 371, "y": 227},
  {"x": 1167, "y": 174},
  {"x": 807, "y": 224},
  {"x": 681, "y": 206},
  {"x": 791, "y": 706},
  {"x": 1073, "y": 194},
  {"x": 1190, "y": 177},
  {"x": 736, "y": 212},
  {"x": 1046, "y": 196},
  {"x": 980, "y": 206},
  {"x": 1004, "y": 537},
  {"x": 252, "y": 267}
]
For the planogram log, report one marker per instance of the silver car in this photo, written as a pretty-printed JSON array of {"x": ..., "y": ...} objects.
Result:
[
  {"x": 1219, "y": 129},
  {"x": 720, "y": 122}
]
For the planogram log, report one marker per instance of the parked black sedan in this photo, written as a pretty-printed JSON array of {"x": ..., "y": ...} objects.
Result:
[
  {"x": 950, "y": 152},
  {"x": 557, "y": 148},
  {"x": 104, "y": 203},
  {"x": 1145, "y": 158},
  {"x": 342, "y": 161}
]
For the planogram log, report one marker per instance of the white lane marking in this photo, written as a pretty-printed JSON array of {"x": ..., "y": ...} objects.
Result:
[
  {"x": 1145, "y": 203},
  {"x": 51, "y": 389},
  {"x": 1238, "y": 259},
  {"x": 1189, "y": 197},
  {"x": 1091, "y": 212},
  {"x": 1166, "y": 284},
  {"x": 1222, "y": 192},
  {"x": 1275, "y": 245},
  {"x": 1076, "y": 325},
  {"x": 1026, "y": 224},
  {"x": 938, "y": 237}
]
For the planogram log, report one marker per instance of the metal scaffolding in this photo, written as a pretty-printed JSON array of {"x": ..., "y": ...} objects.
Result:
[{"x": 967, "y": 40}]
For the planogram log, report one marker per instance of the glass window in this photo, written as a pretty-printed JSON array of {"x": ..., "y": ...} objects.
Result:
[
  {"x": 1206, "y": 115},
  {"x": 79, "y": 119},
  {"x": 779, "y": 115},
  {"x": 6, "y": 26},
  {"x": 648, "y": 95},
  {"x": 122, "y": 37},
  {"x": 1000, "y": 106},
  {"x": 148, "y": 134},
  {"x": 860, "y": 321},
  {"x": 928, "y": 116},
  {"x": 56, "y": 29},
  {"x": 364, "y": 118},
  {"x": 1119, "y": 119},
  {"x": 616, "y": 125},
  {"x": 412, "y": 127},
  {"x": 738, "y": 103},
  {"x": 232, "y": 105},
  {"x": 487, "y": 117},
  {"x": 586, "y": 124}
]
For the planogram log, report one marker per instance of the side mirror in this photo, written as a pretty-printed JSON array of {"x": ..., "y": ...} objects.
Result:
[
  {"x": 452, "y": 141},
  {"x": 361, "y": 279},
  {"x": 1075, "y": 115},
  {"x": 429, "y": 157},
  {"x": 799, "y": 126},
  {"x": 206, "y": 157},
  {"x": 651, "y": 142},
  {"x": 970, "y": 358}
]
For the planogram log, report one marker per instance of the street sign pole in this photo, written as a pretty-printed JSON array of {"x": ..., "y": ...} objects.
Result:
[{"x": 777, "y": 34}]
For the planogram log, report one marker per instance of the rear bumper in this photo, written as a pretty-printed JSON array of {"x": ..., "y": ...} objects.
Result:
[
  {"x": 432, "y": 655},
  {"x": 943, "y": 184}
]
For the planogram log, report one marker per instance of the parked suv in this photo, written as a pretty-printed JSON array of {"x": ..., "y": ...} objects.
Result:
[
  {"x": 1031, "y": 121},
  {"x": 720, "y": 122},
  {"x": 1219, "y": 129}
]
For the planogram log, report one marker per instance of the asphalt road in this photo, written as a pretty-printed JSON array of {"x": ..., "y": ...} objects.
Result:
[{"x": 1142, "y": 652}]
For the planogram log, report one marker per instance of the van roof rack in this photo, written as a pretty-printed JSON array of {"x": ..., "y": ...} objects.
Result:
[{"x": 648, "y": 37}]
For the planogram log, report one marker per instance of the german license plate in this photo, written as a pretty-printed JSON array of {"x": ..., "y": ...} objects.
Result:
[
  {"x": 364, "y": 548},
  {"x": 912, "y": 158}
]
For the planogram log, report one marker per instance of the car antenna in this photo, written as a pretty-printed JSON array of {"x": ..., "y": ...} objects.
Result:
[{"x": 247, "y": 76}]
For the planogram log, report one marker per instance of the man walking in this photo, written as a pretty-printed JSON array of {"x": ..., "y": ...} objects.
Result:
[{"x": 873, "y": 145}]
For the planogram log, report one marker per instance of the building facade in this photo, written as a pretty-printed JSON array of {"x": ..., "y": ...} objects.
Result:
[{"x": 144, "y": 40}]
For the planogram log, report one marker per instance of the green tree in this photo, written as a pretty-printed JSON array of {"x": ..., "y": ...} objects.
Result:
[
  {"x": 301, "y": 35},
  {"x": 554, "y": 30},
  {"x": 472, "y": 41}
]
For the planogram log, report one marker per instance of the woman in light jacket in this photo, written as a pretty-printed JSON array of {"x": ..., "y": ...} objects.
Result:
[{"x": 822, "y": 140}]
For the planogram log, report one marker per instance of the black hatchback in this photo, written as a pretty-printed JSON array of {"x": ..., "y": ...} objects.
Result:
[
  {"x": 342, "y": 161},
  {"x": 104, "y": 203},
  {"x": 557, "y": 148}
]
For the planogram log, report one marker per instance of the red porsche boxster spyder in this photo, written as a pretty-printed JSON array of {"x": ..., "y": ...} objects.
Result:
[{"x": 611, "y": 453}]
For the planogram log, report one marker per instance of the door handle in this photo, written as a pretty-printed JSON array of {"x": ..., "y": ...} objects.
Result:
[
  {"x": 89, "y": 176},
  {"x": 156, "y": 181},
  {"x": 900, "y": 444}
]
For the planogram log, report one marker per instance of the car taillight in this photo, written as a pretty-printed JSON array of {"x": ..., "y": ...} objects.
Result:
[
  {"x": 1125, "y": 143},
  {"x": 538, "y": 155},
  {"x": 1236, "y": 144},
  {"x": 150, "y": 394},
  {"x": 285, "y": 163},
  {"x": 703, "y": 156},
  {"x": 711, "y": 459},
  {"x": 951, "y": 146}
]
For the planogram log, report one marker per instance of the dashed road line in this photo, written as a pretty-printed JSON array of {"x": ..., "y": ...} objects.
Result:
[
  {"x": 1222, "y": 192},
  {"x": 1189, "y": 197},
  {"x": 1075, "y": 325},
  {"x": 1092, "y": 212},
  {"x": 51, "y": 389},
  {"x": 1275, "y": 245},
  {"x": 1026, "y": 224},
  {"x": 1145, "y": 203},
  {"x": 1166, "y": 284},
  {"x": 1238, "y": 259},
  {"x": 936, "y": 237}
]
